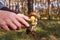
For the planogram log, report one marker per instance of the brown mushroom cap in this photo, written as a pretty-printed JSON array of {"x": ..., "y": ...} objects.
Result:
[{"x": 34, "y": 14}]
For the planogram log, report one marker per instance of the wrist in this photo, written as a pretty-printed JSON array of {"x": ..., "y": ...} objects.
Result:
[{"x": 7, "y": 9}]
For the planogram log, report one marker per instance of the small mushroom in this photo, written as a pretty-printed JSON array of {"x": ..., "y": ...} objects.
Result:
[
  {"x": 33, "y": 22},
  {"x": 34, "y": 14}
]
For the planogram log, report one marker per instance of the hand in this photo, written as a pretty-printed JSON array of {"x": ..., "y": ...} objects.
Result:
[{"x": 11, "y": 20}]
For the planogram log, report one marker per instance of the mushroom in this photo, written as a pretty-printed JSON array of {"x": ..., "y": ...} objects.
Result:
[
  {"x": 34, "y": 14},
  {"x": 33, "y": 19}
]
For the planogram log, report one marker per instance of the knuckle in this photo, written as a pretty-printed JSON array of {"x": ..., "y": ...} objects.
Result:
[
  {"x": 3, "y": 23},
  {"x": 19, "y": 25},
  {"x": 13, "y": 14},
  {"x": 7, "y": 30},
  {"x": 15, "y": 28}
]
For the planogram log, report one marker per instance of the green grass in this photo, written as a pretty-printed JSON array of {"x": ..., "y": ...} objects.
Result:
[{"x": 45, "y": 30}]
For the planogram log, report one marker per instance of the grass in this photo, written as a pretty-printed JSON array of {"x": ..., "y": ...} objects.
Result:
[{"x": 47, "y": 30}]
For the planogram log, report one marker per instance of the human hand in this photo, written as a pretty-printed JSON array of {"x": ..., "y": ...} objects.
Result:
[{"x": 11, "y": 20}]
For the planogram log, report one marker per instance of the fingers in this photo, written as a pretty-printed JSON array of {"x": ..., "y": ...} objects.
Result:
[
  {"x": 16, "y": 23},
  {"x": 23, "y": 16},
  {"x": 11, "y": 24},
  {"x": 22, "y": 21},
  {"x": 3, "y": 25},
  {"x": 13, "y": 21}
]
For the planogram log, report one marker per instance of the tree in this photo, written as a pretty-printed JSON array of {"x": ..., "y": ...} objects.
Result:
[{"x": 30, "y": 6}]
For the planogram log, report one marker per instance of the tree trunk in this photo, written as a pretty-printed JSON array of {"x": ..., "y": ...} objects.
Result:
[
  {"x": 49, "y": 9},
  {"x": 30, "y": 6}
]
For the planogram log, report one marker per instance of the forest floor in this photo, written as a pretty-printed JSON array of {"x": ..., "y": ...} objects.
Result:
[{"x": 45, "y": 30}]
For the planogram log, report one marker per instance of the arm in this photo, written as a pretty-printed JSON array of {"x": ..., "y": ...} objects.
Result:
[
  {"x": 1, "y": 4},
  {"x": 3, "y": 7}
]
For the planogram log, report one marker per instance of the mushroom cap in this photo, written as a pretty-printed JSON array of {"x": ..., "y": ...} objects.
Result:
[{"x": 34, "y": 14}]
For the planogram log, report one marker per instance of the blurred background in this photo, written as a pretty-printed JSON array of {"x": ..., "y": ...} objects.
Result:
[
  {"x": 48, "y": 27},
  {"x": 48, "y": 9}
]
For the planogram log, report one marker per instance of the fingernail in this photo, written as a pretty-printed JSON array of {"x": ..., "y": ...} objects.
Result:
[
  {"x": 28, "y": 25},
  {"x": 28, "y": 19},
  {"x": 18, "y": 14}
]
